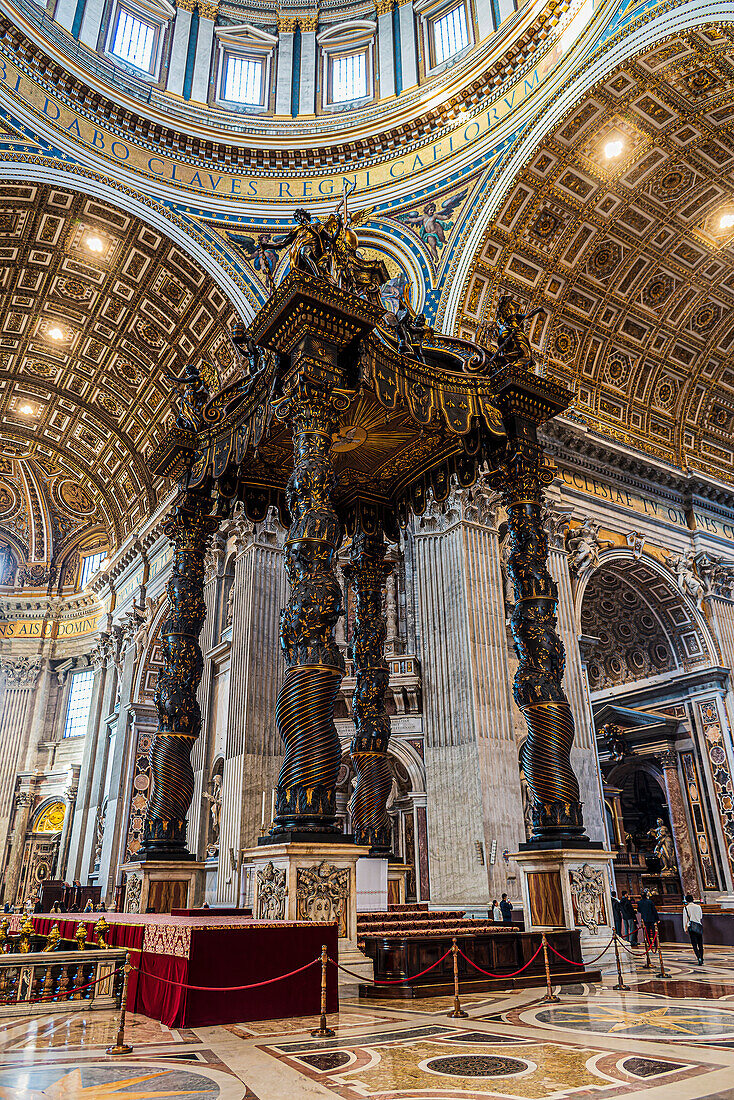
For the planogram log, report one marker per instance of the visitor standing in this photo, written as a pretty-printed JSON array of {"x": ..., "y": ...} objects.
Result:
[
  {"x": 648, "y": 916},
  {"x": 496, "y": 913},
  {"x": 627, "y": 912},
  {"x": 617, "y": 913},
  {"x": 693, "y": 925},
  {"x": 506, "y": 908}
]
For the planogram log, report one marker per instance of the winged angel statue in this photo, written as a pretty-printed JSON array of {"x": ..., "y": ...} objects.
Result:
[{"x": 194, "y": 388}]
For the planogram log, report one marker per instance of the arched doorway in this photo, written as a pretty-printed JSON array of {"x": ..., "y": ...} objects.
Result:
[{"x": 41, "y": 849}]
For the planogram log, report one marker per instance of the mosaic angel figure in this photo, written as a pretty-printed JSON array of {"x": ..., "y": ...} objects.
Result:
[
  {"x": 261, "y": 253},
  {"x": 432, "y": 222}
]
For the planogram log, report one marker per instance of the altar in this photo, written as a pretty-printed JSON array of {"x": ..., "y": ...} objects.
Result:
[{"x": 213, "y": 953}]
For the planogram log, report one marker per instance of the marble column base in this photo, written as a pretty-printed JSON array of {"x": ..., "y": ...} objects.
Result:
[
  {"x": 313, "y": 882},
  {"x": 163, "y": 884},
  {"x": 551, "y": 902}
]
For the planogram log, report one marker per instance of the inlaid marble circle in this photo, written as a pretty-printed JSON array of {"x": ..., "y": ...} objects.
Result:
[
  {"x": 123, "y": 1079},
  {"x": 630, "y": 1016},
  {"x": 476, "y": 1065}
]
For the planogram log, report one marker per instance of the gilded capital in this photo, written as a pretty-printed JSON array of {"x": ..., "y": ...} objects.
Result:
[
  {"x": 208, "y": 11},
  {"x": 384, "y": 7},
  {"x": 309, "y": 23},
  {"x": 286, "y": 23},
  {"x": 186, "y": 5}
]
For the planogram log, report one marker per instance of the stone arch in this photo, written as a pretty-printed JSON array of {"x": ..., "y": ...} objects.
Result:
[
  {"x": 147, "y": 670},
  {"x": 660, "y": 629}
]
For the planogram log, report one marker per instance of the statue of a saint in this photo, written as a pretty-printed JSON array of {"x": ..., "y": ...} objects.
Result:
[
  {"x": 664, "y": 847},
  {"x": 214, "y": 798},
  {"x": 193, "y": 396},
  {"x": 311, "y": 244},
  {"x": 513, "y": 345}
]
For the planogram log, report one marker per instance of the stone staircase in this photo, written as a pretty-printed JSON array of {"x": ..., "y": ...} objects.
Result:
[{"x": 416, "y": 920}]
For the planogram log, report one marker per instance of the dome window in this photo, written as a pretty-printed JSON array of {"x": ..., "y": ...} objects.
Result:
[
  {"x": 136, "y": 34},
  {"x": 347, "y": 63},
  {"x": 245, "y": 66},
  {"x": 450, "y": 34}
]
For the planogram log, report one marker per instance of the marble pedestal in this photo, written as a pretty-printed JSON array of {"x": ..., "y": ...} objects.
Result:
[
  {"x": 312, "y": 881},
  {"x": 569, "y": 888},
  {"x": 163, "y": 884},
  {"x": 397, "y": 882}
]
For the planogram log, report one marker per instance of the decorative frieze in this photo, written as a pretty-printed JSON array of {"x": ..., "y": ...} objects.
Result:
[{"x": 713, "y": 741}]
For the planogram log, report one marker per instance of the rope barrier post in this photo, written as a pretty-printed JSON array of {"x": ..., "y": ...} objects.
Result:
[
  {"x": 121, "y": 1046},
  {"x": 620, "y": 980},
  {"x": 662, "y": 973},
  {"x": 647, "y": 965},
  {"x": 457, "y": 1013},
  {"x": 550, "y": 995},
  {"x": 323, "y": 1032}
]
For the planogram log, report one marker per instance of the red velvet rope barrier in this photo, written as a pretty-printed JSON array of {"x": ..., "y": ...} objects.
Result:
[
  {"x": 489, "y": 972},
  {"x": 226, "y": 988},
  {"x": 389, "y": 981},
  {"x": 581, "y": 964}
]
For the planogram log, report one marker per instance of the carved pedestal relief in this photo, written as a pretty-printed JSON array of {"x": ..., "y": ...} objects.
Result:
[
  {"x": 133, "y": 890},
  {"x": 322, "y": 893},
  {"x": 587, "y": 892},
  {"x": 271, "y": 893}
]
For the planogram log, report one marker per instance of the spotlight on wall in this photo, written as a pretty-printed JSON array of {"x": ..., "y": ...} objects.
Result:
[
  {"x": 613, "y": 149},
  {"x": 56, "y": 333},
  {"x": 95, "y": 244},
  {"x": 727, "y": 221}
]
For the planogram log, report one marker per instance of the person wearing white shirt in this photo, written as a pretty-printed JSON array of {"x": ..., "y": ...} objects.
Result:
[
  {"x": 693, "y": 925},
  {"x": 496, "y": 913}
]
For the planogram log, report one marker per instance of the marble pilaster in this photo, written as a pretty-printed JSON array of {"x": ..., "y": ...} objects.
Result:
[
  {"x": 385, "y": 51},
  {"x": 24, "y": 804},
  {"x": 204, "y": 49},
  {"x": 64, "y": 14},
  {"x": 473, "y": 788},
  {"x": 408, "y": 53},
  {"x": 16, "y": 715},
  {"x": 91, "y": 23},
  {"x": 179, "y": 47},
  {"x": 253, "y": 750},
  {"x": 284, "y": 78},
  {"x": 307, "y": 77},
  {"x": 120, "y": 766},
  {"x": 679, "y": 825}
]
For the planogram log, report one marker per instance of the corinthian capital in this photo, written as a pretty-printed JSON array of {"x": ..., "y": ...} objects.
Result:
[{"x": 21, "y": 671}]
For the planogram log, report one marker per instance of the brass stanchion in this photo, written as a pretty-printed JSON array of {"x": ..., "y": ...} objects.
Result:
[
  {"x": 662, "y": 973},
  {"x": 647, "y": 965},
  {"x": 121, "y": 1046},
  {"x": 323, "y": 1032},
  {"x": 457, "y": 1012},
  {"x": 620, "y": 982},
  {"x": 550, "y": 995}
]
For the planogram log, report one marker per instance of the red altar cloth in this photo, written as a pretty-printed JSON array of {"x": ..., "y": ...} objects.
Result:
[{"x": 216, "y": 952}]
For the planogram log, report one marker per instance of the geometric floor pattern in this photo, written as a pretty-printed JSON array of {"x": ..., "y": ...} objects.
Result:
[{"x": 671, "y": 1039}]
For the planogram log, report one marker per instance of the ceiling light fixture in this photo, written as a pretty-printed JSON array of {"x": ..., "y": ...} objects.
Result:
[
  {"x": 727, "y": 221},
  {"x": 55, "y": 333},
  {"x": 95, "y": 244},
  {"x": 613, "y": 149},
  {"x": 27, "y": 410}
]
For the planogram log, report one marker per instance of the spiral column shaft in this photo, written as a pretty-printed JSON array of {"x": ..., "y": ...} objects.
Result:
[
  {"x": 189, "y": 527},
  {"x": 367, "y": 573},
  {"x": 538, "y": 688}
]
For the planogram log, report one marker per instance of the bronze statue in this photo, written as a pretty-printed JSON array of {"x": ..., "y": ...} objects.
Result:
[
  {"x": 513, "y": 345},
  {"x": 311, "y": 243},
  {"x": 664, "y": 848},
  {"x": 193, "y": 396}
]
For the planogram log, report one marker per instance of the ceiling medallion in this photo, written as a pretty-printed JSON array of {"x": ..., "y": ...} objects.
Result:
[
  {"x": 74, "y": 498},
  {"x": 348, "y": 438},
  {"x": 8, "y": 499}
]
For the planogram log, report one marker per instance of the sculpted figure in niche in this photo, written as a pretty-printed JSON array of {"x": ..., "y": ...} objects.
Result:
[
  {"x": 686, "y": 579},
  {"x": 214, "y": 797},
  {"x": 145, "y": 621},
  {"x": 583, "y": 544},
  {"x": 664, "y": 847},
  {"x": 229, "y": 610}
]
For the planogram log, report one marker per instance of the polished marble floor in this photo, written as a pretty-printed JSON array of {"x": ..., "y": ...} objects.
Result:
[{"x": 671, "y": 1039}]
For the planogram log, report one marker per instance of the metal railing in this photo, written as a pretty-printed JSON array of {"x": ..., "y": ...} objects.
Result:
[{"x": 53, "y": 981}]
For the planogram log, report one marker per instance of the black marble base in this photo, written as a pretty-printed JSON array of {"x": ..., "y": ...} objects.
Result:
[
  {"x": 296, "y": 836},
  {"x": 558, "y": 843}
]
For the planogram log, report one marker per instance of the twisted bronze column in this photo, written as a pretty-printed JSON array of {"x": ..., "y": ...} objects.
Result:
[
  {"x": 189, "y": 527},
  {"x": 304, "y": 713},
  {"x": 538, "y": 687},
  {"x": 368, "y": 572}
]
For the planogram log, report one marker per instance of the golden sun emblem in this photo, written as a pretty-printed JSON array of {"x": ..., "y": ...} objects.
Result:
[{"x": 71, "y": 1086}]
